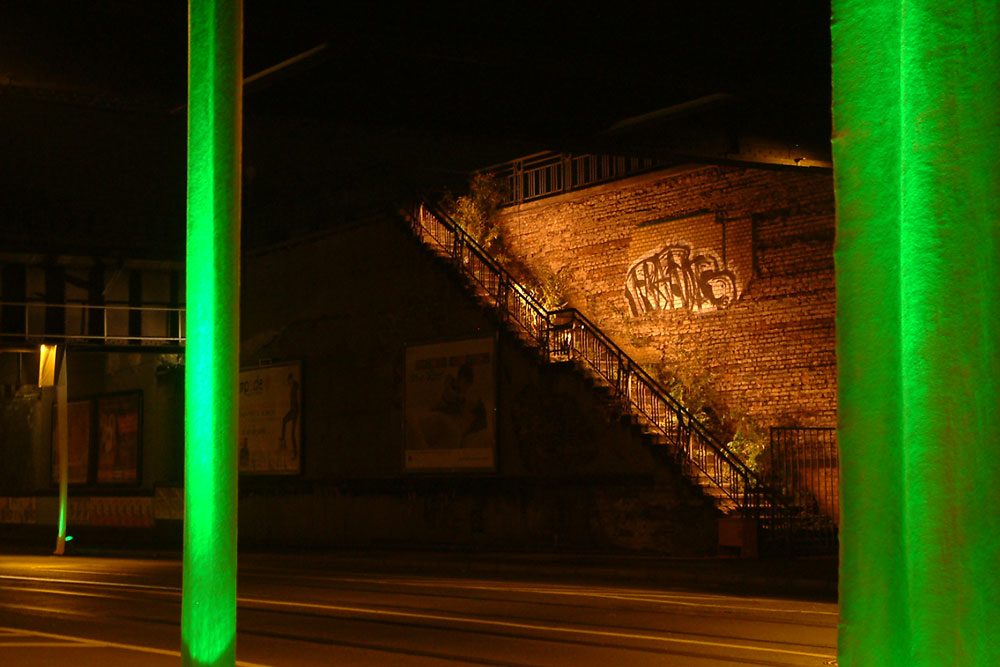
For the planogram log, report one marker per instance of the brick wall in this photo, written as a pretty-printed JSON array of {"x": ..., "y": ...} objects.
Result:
[{"x": 716, "y": 272}]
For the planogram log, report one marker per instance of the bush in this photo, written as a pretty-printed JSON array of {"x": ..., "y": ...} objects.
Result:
[
  {"x": 691, "y": 385},
  {"x": 478, "y": 213}
]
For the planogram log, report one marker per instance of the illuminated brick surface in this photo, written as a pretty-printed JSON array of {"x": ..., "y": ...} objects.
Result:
[{"x": 772, "y": 349}]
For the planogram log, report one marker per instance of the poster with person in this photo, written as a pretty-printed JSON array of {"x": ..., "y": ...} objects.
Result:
[
  {"x": 450, "y": 412},
  {"x": 270, "y": 431}
]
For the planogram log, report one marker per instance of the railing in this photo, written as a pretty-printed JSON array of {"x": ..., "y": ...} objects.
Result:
[
  {"x": 566, "y": 335},
  {"x": 803, "y": 464},
  {"x": 511, "y": 300},
  {"x": 114, "y": 323},
  {"x": 577, "y": 338},
  {"x": 548, "y": 174}
]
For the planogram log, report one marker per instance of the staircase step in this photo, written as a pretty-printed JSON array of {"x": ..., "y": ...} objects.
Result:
[{"x": 658, "y": 439}]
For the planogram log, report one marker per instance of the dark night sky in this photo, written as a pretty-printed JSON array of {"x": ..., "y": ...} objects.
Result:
[{"x": 93, "y": 142}]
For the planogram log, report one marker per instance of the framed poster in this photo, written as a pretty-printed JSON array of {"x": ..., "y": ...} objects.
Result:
[
  {"x": 78, "y": 413},
  {"x": 270, "y": 434},
  {"x": 450, "y": 413},
  {"x": 119, "y": 431}
]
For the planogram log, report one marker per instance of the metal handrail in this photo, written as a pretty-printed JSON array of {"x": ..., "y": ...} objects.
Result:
[
  {"x": 511, "y": 299},
  {"x": 667, "y": 415},
  {"x": 84, "y": 310},
  {"x": 569, "y": 335},
  {"x": 110, "y": 305}
]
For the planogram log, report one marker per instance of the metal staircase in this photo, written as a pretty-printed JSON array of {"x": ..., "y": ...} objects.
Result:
[{"x": 567, "y": 336}]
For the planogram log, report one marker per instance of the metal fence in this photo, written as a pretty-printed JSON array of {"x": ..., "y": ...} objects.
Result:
[{"x": 802, "y": 464}]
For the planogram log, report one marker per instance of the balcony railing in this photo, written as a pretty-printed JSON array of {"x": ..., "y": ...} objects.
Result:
[
  {"x": 77, "y": 322},
  {"x": 548, "y": 174}
]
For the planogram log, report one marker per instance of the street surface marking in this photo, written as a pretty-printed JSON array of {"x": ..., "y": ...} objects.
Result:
[
  {"x": 51, "y": 580},
  {"x": 662, "y": 598},
  {"x": 528, "y": 626},
  {"x": 24, "y": 639},
  {"x": 100, "y": 572},
  {"x": 456, "y": 619},
  {"x": 636, "y": 595},
  {"x": 97, "y": 643},
  {"x": 65, "y": 644},
  {"x": 45, "y": 610},
  {"x": 53, "y": 591},
  {"x": 670, "y": 601}
]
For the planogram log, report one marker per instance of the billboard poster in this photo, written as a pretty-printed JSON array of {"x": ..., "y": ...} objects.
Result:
[
  {"x": 450, "y": 413},
  {"x": 270, "y": 436},
  {"x": 119, "y": 428},
  {"x": 78, "y": 413}
]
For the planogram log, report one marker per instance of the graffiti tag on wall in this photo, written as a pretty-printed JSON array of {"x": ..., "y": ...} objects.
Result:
[{"x": 672, "y": 278}]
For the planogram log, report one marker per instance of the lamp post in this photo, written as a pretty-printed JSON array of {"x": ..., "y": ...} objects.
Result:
[{"x": 52, "y": 373}]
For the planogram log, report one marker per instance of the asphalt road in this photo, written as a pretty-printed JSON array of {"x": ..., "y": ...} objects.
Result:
[{"x": 112, "y": 611}]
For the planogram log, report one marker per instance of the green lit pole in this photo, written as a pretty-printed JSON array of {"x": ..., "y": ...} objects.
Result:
[
  {"x": 916, "y": 90},
  {"x": 62, "y": 445},
  {"x": 215, "y": 56}
]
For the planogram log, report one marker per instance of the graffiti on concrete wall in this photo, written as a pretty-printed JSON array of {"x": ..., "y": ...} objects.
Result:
[{"x": 674, "y": 277}]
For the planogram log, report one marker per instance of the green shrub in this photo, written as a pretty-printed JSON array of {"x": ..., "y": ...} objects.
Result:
[{"x": 478, "y": 213}]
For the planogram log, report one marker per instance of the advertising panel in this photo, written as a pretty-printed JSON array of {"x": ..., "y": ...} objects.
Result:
[
  {"x": 79, "y": 442},
  {"x": 450, "y": 414},
  {"x": 270, "y": 436},
  {"x": 119, "y": 423}
]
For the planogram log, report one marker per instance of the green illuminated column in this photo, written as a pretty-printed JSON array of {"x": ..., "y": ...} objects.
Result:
[
  {"x": 62, "y": 445},
  {"x": 916, "y": 89},
  {"x": 208, "y": 610}
]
